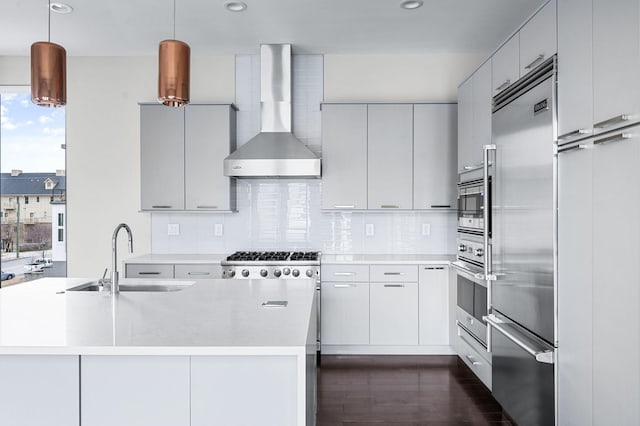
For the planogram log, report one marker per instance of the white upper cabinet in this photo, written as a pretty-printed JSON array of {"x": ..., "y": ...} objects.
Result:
[
  {"x": 482, "y": 103},
  {"x": 434, "y": 156},
  {"x": 616, "y": 63},
  {"x": 465, "y": 124},
  {"x": 575, "y": 74},
  {"x": 344, "y": 156},
  {"x": 506, "y": 65},
  {"x": 538, "y": 38},
  {"x": 390, "y": 156},
  {"x": 161, "y": 158},
  {"x": 209, "y": 138}
]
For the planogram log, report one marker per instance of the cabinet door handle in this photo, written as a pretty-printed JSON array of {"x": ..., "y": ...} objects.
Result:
[
  {"x": 394, "y": 285},
  {"x": 207, "y": 207},
  {"x": 471, "y": 360},
  {"x": 149, "y": 273},
  {"x": 433, "y": 268},
  {"x": 198, "y": 273},
  {"x": 573, "y": 148},
  {"x": 503, "y": 85},
  {"x": 535, "y": 62},
  {"x": 161, "y": 207},
  {"x": 440, "y": 206},
  {"x": 574, "y": 133},
  {"x": 343, "y": 285},
  {"x": 389, "y": 206},
  {"x": 614, "y": 138},
  {"x": 394, "y": 273},
  {"x": 344, "y": 206},
  {"x": 344, "y": 274},
  {"x": 614, "y": 120}
]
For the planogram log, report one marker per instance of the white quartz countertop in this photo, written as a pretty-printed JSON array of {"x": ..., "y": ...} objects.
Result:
[
  {"x": 177, "y": 258},
  {"x": 208, "y": 317},
  {"x": 388, "y": 259}
]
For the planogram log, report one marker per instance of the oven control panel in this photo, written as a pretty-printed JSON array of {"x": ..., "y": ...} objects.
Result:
[{"x": 471, "y": 251}]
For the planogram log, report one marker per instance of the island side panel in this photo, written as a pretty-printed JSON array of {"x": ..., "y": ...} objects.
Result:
[
  {"x": 39, "y": 390},
  {"x": 244, "y": 390},
  {"x": 135, "y": 390}
]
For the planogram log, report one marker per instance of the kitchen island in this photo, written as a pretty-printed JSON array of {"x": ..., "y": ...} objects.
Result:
[{"x": 208, "y": 354}]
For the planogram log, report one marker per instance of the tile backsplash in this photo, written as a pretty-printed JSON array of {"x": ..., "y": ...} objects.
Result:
[{"x": 284, "y": 214}]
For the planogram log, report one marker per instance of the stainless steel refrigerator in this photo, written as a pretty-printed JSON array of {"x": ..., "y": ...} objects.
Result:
[{"x": 522, "y": 264}]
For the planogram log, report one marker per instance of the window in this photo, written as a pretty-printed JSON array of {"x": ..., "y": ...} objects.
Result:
[
  {"x": 51, "y": 200},
  {"x": 31, "y": 215},
  {"x": 26, "y": 199},
  {"x": 60, "y": 235},
  {"x": 60, "y": 219},
  {"x": 37, "y": 199}
]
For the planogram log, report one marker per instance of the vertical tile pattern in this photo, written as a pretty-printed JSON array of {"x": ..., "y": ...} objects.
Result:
[{"x": 284, "y": 214}]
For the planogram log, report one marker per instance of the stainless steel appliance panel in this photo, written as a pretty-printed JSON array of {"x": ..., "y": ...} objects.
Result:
[
  {"x": 522, "y": 385},
  {"x": 522, "y": 210}
]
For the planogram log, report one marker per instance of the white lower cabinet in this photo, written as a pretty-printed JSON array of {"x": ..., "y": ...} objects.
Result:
[
  {"x": 40, "y": 390},
  {"x": 433, "y": 304},
  {"x": 394, "y": 313},
  {"x": 134, "y": 390},
  {"x": 345, "y": 313}
]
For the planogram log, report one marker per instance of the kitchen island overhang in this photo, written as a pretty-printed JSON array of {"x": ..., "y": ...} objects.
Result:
[{"x": 208, "y": 329}]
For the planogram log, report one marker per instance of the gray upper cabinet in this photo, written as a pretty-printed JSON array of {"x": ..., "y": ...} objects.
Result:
[
  {"x": 465, "y": 124},
  {"x": 616, "y": 63},
  {"x": 181, "y": 153},
  {"x": 390, "y": 156},
  {"x": 482, "y": 103},
  {"x": 434, "y": 156},
  {"x": 344, "y": 156},
  {"x": 209, "y": 138},
  {"x": 575, "y": 75},
  {"x": 538, "y": 40},
  {"x": 506, "y": 65},
  {"x": 162, "y": 157}
]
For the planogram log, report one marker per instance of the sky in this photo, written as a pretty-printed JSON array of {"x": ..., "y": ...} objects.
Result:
[{"x": 30, "y": 135}]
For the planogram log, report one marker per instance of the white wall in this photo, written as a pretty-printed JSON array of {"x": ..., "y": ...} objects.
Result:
[
  {"x": 103, "y": 150},
  {"x": 401, "y": 78}
]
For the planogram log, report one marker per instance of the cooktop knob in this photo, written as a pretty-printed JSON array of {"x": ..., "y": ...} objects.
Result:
[
  {"x": 286, "y": 271},
  {"x": 296, "y": 273},
  {"x": 245, "y": 273},
  {"x": 231, "y": 274},
  {"x": 462, "y": 247},
  {"x": 263, "y": 273},
  {"x": 309, "y": 273},
  {"x": 277, "y": 273},
  {"x": 479, "y": 252}
]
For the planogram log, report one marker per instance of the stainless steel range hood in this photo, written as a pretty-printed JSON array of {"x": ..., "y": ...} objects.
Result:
[{"x": 275, "y": 151}]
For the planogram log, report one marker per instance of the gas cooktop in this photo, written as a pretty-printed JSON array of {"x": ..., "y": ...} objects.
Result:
[{"x": 260, "y": 257}]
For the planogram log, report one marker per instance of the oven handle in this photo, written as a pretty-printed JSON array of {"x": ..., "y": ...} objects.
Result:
[
  {"x": 488, "y": 254},
  {"x": 540, "y": 353},
  {"x": 468, "y": 272}
]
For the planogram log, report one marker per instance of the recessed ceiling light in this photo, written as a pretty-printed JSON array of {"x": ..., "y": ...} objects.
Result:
[
  {"x": 411, "y": 4},
  {"x": 235, "y": 6},
  {"x": 60, "y": 8}
]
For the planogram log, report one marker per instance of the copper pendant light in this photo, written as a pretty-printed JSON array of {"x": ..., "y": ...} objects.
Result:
[
  {"x": 173, "y": 70},
  {"x": 48, "y": 72}
]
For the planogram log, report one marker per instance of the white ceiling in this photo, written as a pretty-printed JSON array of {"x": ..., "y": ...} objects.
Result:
[{"x": 134, "y": 27}]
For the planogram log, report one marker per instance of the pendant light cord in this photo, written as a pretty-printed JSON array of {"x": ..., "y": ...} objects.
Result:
[
  {"x": 174, "y": 19},
  {"x": 49, "y": 27}
]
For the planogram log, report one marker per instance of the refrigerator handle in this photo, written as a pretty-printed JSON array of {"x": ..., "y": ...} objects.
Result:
[
  {"x": 542, "y": 355},
  {"x": 488, "y": 258}
]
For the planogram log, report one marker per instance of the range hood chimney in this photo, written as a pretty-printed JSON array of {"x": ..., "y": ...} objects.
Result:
[{"x": 275, "y": 151}]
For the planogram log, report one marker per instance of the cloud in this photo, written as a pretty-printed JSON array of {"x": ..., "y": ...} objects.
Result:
[
  {"x": 54, "y": 132},
  {"x": 45, "y": 119},
  {"x": 8, "y": 97},
  {"x": 24, "y": 103},
  {"x": 5, "y": 121}
]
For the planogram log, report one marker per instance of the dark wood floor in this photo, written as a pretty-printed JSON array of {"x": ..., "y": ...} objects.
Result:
[{"x": 402, "y": 390}]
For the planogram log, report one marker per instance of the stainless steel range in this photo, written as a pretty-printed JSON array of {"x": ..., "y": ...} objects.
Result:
[
  {"x": 282, "y": 265},
  {"x": 272, "y": 265}
]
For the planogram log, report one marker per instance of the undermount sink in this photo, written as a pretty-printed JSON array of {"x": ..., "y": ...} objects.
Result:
[{"x": 131, "y": 287}]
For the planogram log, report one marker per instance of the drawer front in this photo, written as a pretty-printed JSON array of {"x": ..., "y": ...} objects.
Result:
[
  {"x": 345, "y": 313},
  {"x": 148, "y": 270},
  {"x": 470, "y": 356},
  {"x": 394, "y": 273},
  {"x": 352, "y": 273},
  {"x": 198, "y": 271},
  {"x": 479, "y": 328},
  {"x": 393, "y": 313}
]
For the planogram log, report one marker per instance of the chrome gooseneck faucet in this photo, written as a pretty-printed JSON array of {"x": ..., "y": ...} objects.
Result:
[{"x": 114, "y": 255}]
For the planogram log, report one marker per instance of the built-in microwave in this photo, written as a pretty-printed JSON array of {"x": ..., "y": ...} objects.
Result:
[{"x": 471, "y": 201}]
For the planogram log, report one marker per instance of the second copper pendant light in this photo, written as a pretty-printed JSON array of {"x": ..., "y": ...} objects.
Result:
[{"x": 174, "y": 58}]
